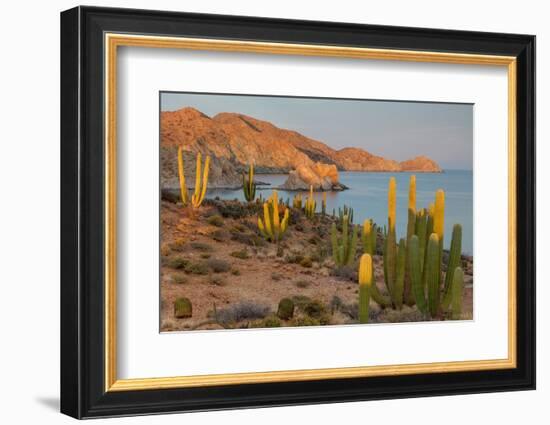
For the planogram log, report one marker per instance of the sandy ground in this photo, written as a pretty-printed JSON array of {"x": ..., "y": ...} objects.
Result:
[{"x": 262, "y": 279}]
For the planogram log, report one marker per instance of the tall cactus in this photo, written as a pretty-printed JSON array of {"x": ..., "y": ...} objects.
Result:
[
  {"x": 344, "y": 248},
  {"x": 432, "y": 273},
  {"x": 310, "y": 204},
  {"x": 201, "y": 184},
  {"x": 456, "y": 290},
  {"x": 411, "y": 228},
  {"x": 345, "y": 212},
  {"x": 366, "y": 281},
  {"x": 390, "y": 247},
  {"x": 184, "y": 194},
  {"x": 368, "y": 237},
  {"x": 453, "y": 262},
  {"x": 249, "y": 187},
  {"x": 272, "y": 227},
  {"x": 297, "y": 202},
  {"x": 324, "y": 204},
  {"x": 415, "y": 267}
]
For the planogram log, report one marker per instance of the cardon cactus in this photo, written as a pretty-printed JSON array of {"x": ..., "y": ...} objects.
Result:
[
  {"x": 183, "y": 308},
  {"x": 297, "y": 202},
  {"x": 368, "y": 237},
  {"x": 344, "y": 248},
  {"x": 346, "y": 212},
  {"x": 183, "y": 187},
  {"x": 432, "y": 274},
  {"x": 272, "y": 227},
  {"x": 415, "y": 268},
  {"x": 411, "y": 227},
  {"x": 201, "y": 184},
  {"x": 456, "y": 290},
  {"x": 324, "y": 204},
  {"x": 391, "y": 266},
  {"x": 454, "y": 262},
  {"x": 310, "y": 204},
  {"x": 285, "y": 310},
  {"x": 366, "y": 281},
  {"x": 249, "y": 187}
]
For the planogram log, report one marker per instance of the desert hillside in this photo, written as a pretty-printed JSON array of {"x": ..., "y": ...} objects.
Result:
[{"x": 235, "y": 140}]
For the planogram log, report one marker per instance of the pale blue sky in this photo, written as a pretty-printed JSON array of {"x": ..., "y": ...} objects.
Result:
[{"x": 395, "y": 130}]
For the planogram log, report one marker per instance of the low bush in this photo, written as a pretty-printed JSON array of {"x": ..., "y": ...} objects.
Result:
[
  {"x": 179, "y": 278},
  {"x": 302, "y": 284},
  {"x": 201, "y": 246},
  {"x": 217, "y": 280},
  {"x": 219, "y": 235},
  {"x": 306, "y": 262},
  {"x": 176, "y": 262},
  {"x": 200, "y": 268},
  {"x": 244, "y": 310},
  {"x": 218, "y": 266},
  {"x": 215, "y": 220},
  {"x": 242, "y": 254},
  {"x": 178, "y": 245}
]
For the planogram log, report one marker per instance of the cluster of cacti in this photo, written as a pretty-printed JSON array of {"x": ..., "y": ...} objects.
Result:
[
  {"x": 297, "y": 202},
  {"x": 249, "y": 187},
  {"x": 425, "y": 262},
  {"x": 310, "y": 204},
  {"x": 344, "y": 247},
  {"x": 201, "y": 183},
  {"x": 345, "y": 212},
  {"x": 366, "y": 282},
  {"x": 272, "y": 227},
  {"x": 324, "y": 204},
  {"x": 183, "y": 187}
]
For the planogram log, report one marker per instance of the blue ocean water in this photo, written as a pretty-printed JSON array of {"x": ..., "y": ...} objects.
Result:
[{"x": 367, "y": 195}]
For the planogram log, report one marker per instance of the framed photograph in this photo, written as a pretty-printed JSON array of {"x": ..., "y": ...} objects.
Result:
[{"x": 261, "y": 212}]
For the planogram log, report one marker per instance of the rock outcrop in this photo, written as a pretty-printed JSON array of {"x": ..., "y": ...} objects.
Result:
[
  {"x": 235, "y": 140},
  {"x": 320, "y": 176}
]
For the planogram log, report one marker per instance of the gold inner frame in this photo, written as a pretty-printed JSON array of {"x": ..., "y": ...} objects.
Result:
[{"x": 113, "y": 41}]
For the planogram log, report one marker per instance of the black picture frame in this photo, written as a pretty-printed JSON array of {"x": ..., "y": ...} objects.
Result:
[{"x": 82, "y": 212}]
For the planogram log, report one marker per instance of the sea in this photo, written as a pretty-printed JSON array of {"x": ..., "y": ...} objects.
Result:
[{"x": 367, "y": 195}]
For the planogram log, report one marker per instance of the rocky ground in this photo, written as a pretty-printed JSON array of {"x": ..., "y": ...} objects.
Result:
[{"x": 215, "y": 257}]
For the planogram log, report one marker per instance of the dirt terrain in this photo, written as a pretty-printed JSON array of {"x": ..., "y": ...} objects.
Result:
[{"x": 215, "y": 257}]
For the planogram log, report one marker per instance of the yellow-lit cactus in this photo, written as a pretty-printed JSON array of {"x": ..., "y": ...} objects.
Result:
[
  {"x": 411, "y": 227},
  {"x": 365, "y": 284},
  {"x": 439, "y": 213},
  {"x": 200, "y": 184},
  {"x": 297, "y": 202},
  {"x": 310, "y": 204},
  {"x": 272, "y": 227},
  {"x": 391, "y": 203},
  {"x": 412, "y": 193},
  {"x": 183, "y": 187}
]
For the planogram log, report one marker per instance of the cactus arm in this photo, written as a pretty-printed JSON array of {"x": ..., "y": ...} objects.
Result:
[
  {"x": 353, "y": 246},
  {"x": 400, "y": 274},
  {"x": 197, "y": 178},
  {"x": 205, "y": 179},
  {"x": 365, "y": 282},
  {"x": 262, "y": 228},
  {"x": 284, "y": 223},
  {"x": 416, "y": 274},
  {"x": 267, "y": 221},
  {"x": 432, "y": 274},
  {"x": 457, "y": 288},
  {"x": 276, "y": 222},
  {"x": 391, "y": 203},
  {"x": 377, "y": 296},
  {"x": 454, "y": 262},
  {"x": 183, "y": 188}
]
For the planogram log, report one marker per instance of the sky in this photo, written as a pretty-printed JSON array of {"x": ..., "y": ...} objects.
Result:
[{"x": 392, "y": 129}]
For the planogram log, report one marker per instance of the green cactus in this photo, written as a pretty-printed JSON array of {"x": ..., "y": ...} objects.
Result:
[
  {"x": 417, "y": 284},
  {"x": 400, "y": 274},
  {"x": 272, "y": 227},
  {"x": 454, "y": 262},
  {"x": 366, "y": 281},
  {"x": 456, "y": 290},
  {"x": 345, "y": 212},
  {"x": 344, "y": 248},
  {"x": 411, "y": 227},
  {"x": 324, "y": 204},
  {"x": 249, "y": 187},
  {"x": 183, "y": 308},
  {"x": 297, "y": 202},
  {"x": 368, "y": 237},
  {"x": 432, "y": 274}
]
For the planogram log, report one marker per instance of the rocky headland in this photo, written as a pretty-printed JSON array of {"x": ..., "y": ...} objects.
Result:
[{"x": 234, "y": 140}]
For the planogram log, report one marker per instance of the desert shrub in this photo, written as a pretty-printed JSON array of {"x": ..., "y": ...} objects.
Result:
[
  {"x": 285, "y": 310},
  {"x": 314, "y": 240},
  {"x": 183, "y": 308},
  {"x": 237, "y": 228},
  {"x": 300, "y": 301},
  {"x": 335, "y": 304},
  {"x": 280, "y": 251},
  {"x": 216, "y": 280},
  {"x": 315, "y": 309},
  {"x": 251, "y": 239},
  {"x": 218, "y": 266},
  {"x": 350, "y": 310},
  {"x": 244, "y": 310},
  {"x": 299, "y": 227},
  {"x": 268, "y": 322},
  {"x": 200, "y": 268},
  {"x": 178, "y": 245},
  {"x": 164, "y": 250},
  {"x": 345, "y": 272},
  {"x": 179, "y": 278},
  {"x": 276, "y": 276},
  {"x": 205, "y": 255},
  {"x": 219, "y": 235},
  {"x": 302, "y": 284},
  {"x": 305, "y": 321},
  {"x": 235, "y": 272},
  {"x": 177, "y": 262},
  {"x": 306, "y": 262},
  {"x": 215, "y": 220},
  {"x": 242, "y": 254},
  {"x": 201, "y": 246},
  {"x": 294, "y": 258}
]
